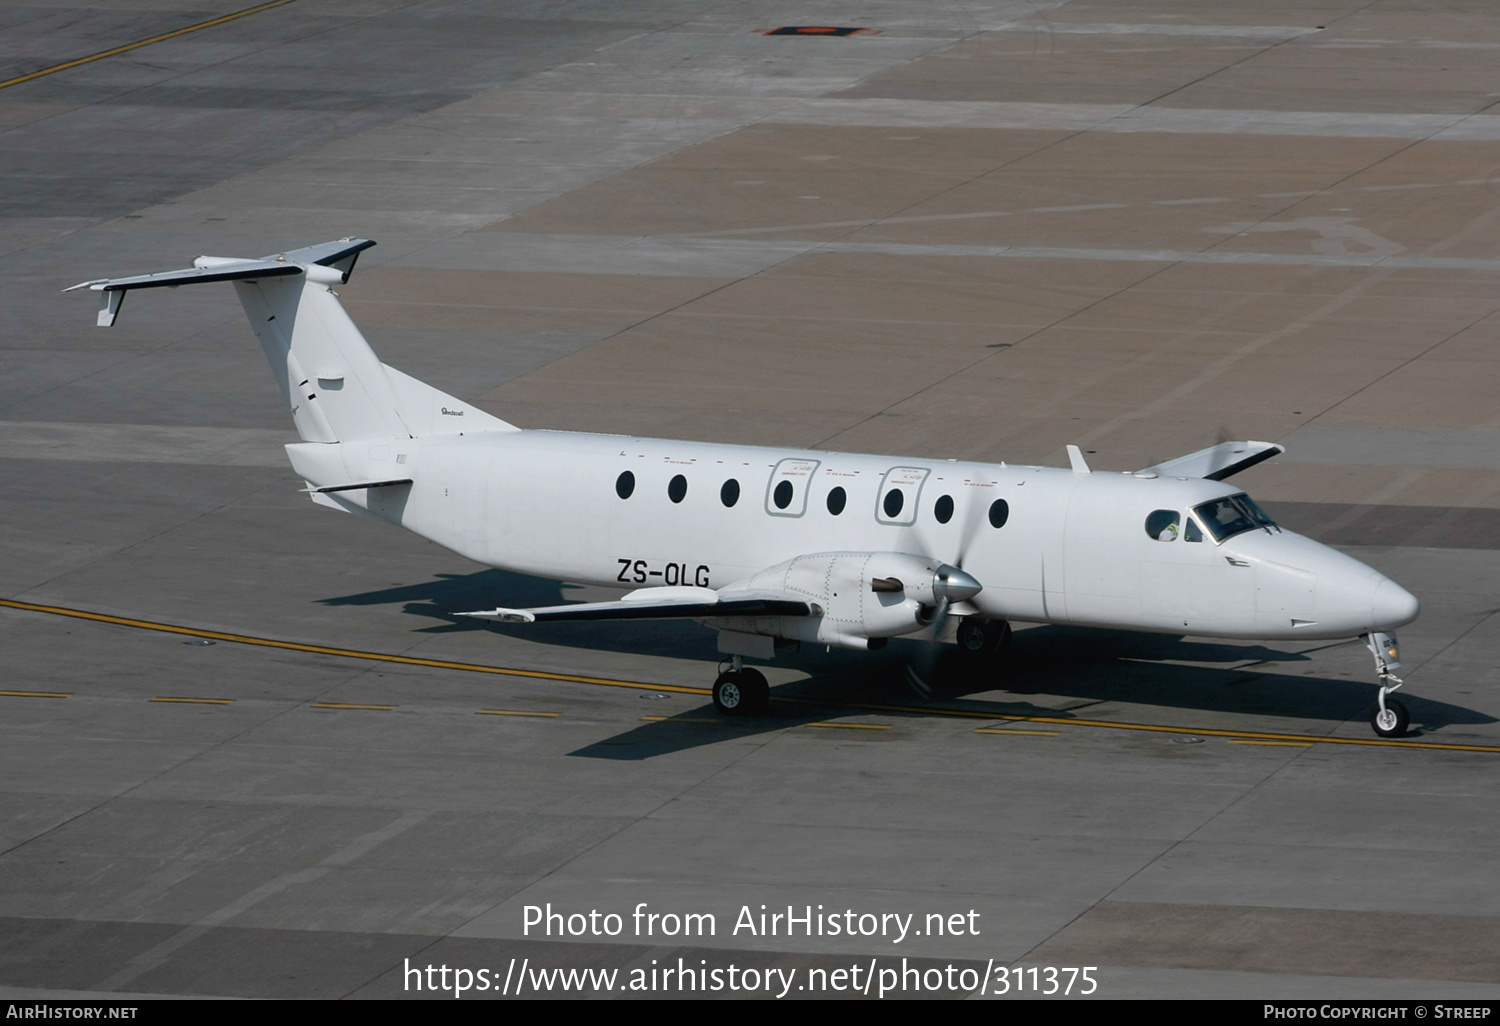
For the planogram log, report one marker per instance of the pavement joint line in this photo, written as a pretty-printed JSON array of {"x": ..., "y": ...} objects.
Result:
[
  {"x": 1044, "y": 733},
  {"x": 142, "y": 42},
  {"x": 1257, "y": 741},
  {"x": 196, "y": 701},
  {"x": 915, "y": 710},
  {"x": 351, "y": 705},
  {"x": 851, "y": 726},
  {"x": 515, "y": 712},
  {"x": 680, "y": 719}
]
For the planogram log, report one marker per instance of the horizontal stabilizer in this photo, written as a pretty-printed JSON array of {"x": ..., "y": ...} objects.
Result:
[
  {"x": 1217, "y": 462},
  {"x": 362, "y": 484},
  {"x": 658, "y": 604},
  {"x": 328, "y": 263},
  {"x": 330, "y": 254}
]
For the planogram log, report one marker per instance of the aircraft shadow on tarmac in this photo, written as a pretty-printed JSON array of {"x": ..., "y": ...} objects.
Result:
[{"x": 1087, "y": 669}]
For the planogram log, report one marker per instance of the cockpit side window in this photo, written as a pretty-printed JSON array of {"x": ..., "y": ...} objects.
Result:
[
  {"x": 1191, "y": 531},
  {"x": 1232, "y": 515},
  {"x": 1163, "y": 525}
]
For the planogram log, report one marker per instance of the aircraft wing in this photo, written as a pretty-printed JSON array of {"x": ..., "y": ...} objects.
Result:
[
  {"x": 664, "y": 603},
  {"x": 1217, "y": 461}
]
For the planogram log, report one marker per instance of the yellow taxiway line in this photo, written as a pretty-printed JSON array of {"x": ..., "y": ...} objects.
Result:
[
  {"x": 345, "y": 653},
  {"x": 916, "y": 710},
  {"x": 142, "y": 42}
]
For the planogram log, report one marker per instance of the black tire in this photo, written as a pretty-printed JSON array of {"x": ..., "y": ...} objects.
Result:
[
  {"x": 1395, "y": 722},
  {"x": 986, "y": 662},
  {"x": 756, "y": 691},
  {"x": 983, "y": 639},
  {"x": 729, "y": 694},
  {"x": 974, "y": 636}
]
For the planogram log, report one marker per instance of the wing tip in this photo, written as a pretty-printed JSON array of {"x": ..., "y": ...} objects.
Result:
[{"x": 503, "y": 615}]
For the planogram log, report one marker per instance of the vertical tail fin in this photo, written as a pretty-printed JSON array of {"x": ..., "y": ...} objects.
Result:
[{"x": 334, "y": 385}]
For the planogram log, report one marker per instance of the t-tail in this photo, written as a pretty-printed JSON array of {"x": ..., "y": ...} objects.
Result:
[{"x": 336, "y": 388}]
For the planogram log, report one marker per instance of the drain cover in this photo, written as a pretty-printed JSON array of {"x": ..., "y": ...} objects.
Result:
[
  {"x": 813, "y": 30},
  {"x": 1187, "y": 740}
]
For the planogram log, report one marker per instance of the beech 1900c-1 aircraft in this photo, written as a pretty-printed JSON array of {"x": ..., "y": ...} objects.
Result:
[{"x": 772, "y": 547}]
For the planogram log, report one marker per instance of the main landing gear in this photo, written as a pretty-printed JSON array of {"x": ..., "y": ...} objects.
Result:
[
  {"x": 977, "y": 655},
  {"x": 741, "y": 690},
  {"x": 1390, "y": 718},
  {"x": 983, "y": 639}
]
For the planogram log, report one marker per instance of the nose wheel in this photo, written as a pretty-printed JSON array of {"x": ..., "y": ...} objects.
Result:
[{"x": 1390, "y": 718}]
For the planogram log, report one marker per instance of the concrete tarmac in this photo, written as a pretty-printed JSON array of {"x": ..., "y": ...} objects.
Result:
[{"x": 970, "y": 230}]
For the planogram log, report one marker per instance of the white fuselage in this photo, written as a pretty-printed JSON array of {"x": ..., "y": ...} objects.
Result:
[{"x": 1073, "y": 547}]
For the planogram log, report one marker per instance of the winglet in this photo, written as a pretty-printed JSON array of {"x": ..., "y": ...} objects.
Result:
[{"x": 1075, "y": 457}]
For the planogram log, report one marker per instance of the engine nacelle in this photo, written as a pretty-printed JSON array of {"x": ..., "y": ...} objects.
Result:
[{"x": 857, "y": 597}]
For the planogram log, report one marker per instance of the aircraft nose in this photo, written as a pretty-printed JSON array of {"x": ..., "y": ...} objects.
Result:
[{"x": 1393, "y": 606}]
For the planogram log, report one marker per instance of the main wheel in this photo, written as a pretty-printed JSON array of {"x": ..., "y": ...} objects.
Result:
[
  {"x": 983, "y": 638},
  {"x": 1392, "y": 721},
  {"x": 729, "y": 694},
  {"x": 755, "y": 689},
  {"x": 973, "y": 636}
]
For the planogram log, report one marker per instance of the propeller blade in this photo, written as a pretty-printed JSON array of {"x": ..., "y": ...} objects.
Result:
[{"x": 974, "y": 518}]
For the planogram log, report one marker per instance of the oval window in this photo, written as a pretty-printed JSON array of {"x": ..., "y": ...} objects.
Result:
[
  {"x": 677, "y": 488},
  {"x": 893, "y": 502},
  {"x": 836, "y": 500},
  {"x": 943, "y": 509},
  {"x": 1163, "y": 524},
  {"x": 625, "y": 484},
  {"x": 730, "y": 493},
  {"x": 782, "y": 496},
  {"x": 999, "y": 513}
]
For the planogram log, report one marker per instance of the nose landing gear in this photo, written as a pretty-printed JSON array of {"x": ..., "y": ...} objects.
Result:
[{"x": 1390, "y": 718}]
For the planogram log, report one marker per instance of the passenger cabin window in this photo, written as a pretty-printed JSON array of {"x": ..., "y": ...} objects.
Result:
[
  {"x": 999, "y": 513},
  {"x": 625, "y": 484},
  {"x": 1163, "y": 525},
  {"x": 786, "y": 492},
  {"x": 942, "y": 510},
  {"x": 730, "y": 493},
  {"x": 836, "y": 500},
  {"x": 900, "y": 495},
  {"x": 1232, "y": 515},
  {"x": 677, "y": 488}
]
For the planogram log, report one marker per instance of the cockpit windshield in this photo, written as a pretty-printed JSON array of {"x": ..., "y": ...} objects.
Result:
[{"x": 1232, "y": 515}]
